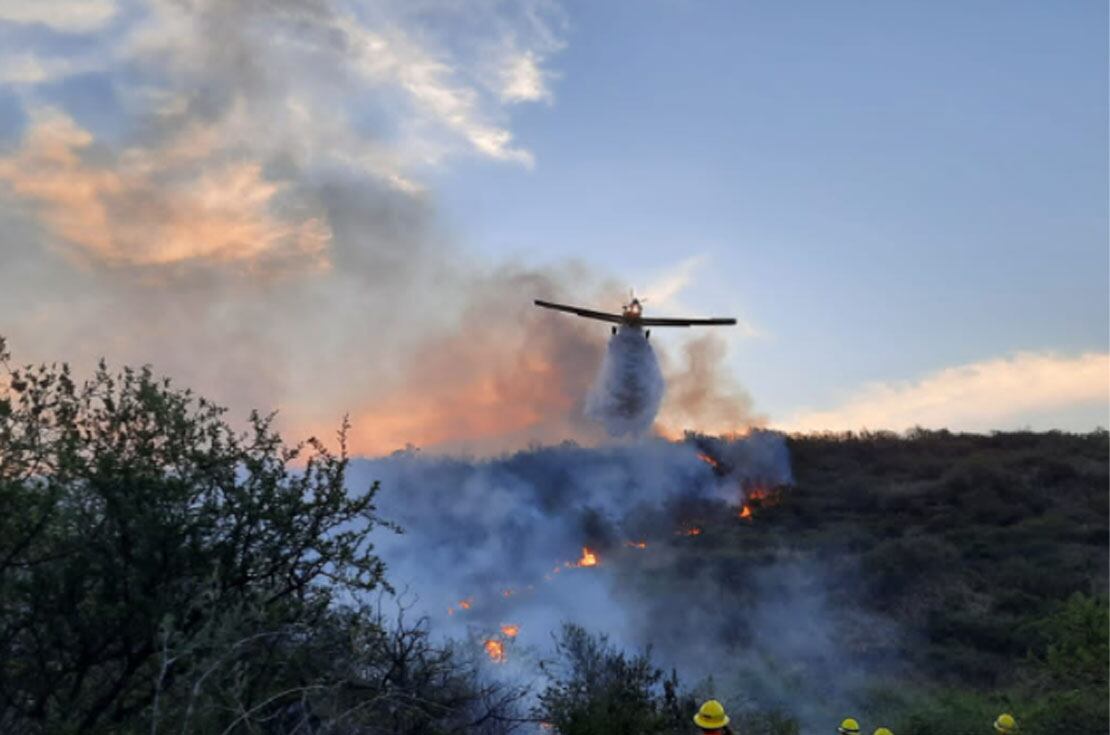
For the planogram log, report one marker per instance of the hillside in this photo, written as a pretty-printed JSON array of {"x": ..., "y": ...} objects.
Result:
[
  {"x": 159, "y": 566},
  {"x": 963, "y": 539},
  {"x": 808, "y": 576},
  {"x": 960, "y": 572}
]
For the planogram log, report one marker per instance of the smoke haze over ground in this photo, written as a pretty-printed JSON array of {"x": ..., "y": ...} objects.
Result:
[
  {"x": 474, "y": 529},
  {"x": 624, "y": 540}
]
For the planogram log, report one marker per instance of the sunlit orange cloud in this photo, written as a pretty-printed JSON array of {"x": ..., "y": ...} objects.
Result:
[
  {"x": 992, "y": 394},
  {"x": 150, "y": 206}
]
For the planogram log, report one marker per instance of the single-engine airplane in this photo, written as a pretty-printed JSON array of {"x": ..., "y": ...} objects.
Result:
[{"x": 632, "y": 316}]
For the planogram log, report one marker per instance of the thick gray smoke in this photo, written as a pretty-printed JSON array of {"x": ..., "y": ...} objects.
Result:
[
  {"x": 636, "y": 540},
  {"x": 629, "y": 388}
]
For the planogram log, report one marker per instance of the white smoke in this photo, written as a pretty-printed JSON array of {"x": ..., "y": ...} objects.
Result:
[
  {"x": 501, "y": 541},
  {"x": 629, "y": 388}
]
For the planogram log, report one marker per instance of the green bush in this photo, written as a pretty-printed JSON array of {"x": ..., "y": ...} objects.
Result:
[
  {"x": 595, "y": 689},
  {"x": 160, "y": 570}
]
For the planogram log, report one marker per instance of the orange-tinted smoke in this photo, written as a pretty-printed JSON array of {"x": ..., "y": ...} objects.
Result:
[{"x": 703, "y": 394}]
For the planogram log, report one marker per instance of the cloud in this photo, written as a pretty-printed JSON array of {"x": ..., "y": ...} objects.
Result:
[
  {"x": 239, "y": 110},
  {"x": 523, "y": 80},
  {"x": 665, "y": 288},
  {"x": 66, "y": 16},
  {"x": 992, "y": 394},
  {"x": 151, "y": 206},
  {"x": 395, "y": 59},
  {"x": 246, "y": 212},
  {"x": 663, "y": 292},
  {"x": 23, "y": 69}
]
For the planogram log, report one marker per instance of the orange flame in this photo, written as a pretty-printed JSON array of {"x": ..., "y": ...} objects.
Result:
[
  {"x": 765, "y": 495},
  {"x": 709, "y": 460},
  {"x": 761, "y": 493},
  {"x": 465, "y": 604},
  {"x": 510, "y": 630},
  {"x": 689, "y": 531},
  {"x": 636, "y": 544},
  {"x": 589, "y": 558},
  {"x": 495, "y": 649}
]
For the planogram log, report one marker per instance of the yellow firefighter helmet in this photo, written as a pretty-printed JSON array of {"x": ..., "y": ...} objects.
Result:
[
  {"x": 883, "y": 731},
  {"x": 848, "y": 727},
  {"x": 711, "y": 716},
  {"x": 1005, "y": 724}
]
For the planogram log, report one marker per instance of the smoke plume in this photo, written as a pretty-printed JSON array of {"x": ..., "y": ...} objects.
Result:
[{"x": 244, "y": 207}]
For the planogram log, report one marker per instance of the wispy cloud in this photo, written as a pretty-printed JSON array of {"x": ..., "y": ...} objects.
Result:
[
  {"x": 155, "y": 206},
  {"x": 66, "y": 16},
  {"x": 523, "y": 80},
  {"x": 437, "y": 99},
  {"x": 241, "y": 107},
  {"x": 663, "y": 290},
  {"x": 993, "y": 394}
]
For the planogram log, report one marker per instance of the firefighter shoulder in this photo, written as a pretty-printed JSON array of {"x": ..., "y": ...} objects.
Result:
[
  {"x": 848, "y": 727},
  {"x": 711, "y": 716},
  {"x": 1005, "y": 724}
]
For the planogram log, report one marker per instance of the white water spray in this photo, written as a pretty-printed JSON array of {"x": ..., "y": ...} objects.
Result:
[{"x": 629, "y": 388}]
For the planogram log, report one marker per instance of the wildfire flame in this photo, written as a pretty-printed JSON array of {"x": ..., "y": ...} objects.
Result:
[
  {"x": 589, "y": 558},
  {"x": 636, "y": 544},
  {"x": 766, "y": 497},
  {"x": 689, "y": 531},
  {"x": 465, "y": 604},
  {"x": 709, "y": 460},
  {"x": 510, "y": 630},
  {"x": 760, "y": 493},
  {"x": 495, "y": 649}
]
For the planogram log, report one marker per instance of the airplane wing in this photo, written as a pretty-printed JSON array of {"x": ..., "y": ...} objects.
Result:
[
  {"x": 599, "y": 315},
  {"x": 667, "y": 322}
]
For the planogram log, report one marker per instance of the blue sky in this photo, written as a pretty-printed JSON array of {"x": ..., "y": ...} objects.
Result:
[
  {"x": 904, "y": 203},
  {"x": 882, "y": 189}
]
